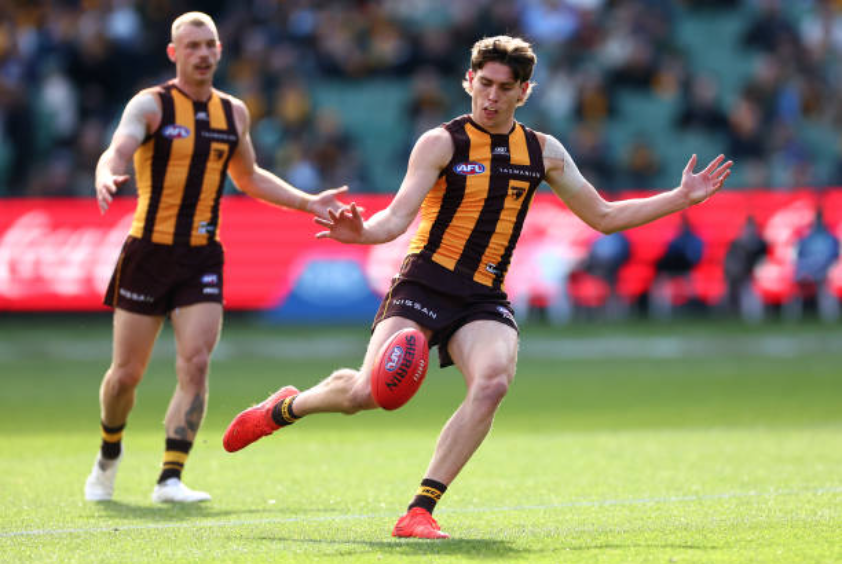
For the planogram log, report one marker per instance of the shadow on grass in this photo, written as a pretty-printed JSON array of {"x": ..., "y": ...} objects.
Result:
[
  {"x": 475, "y": 548},
  {"x": 174, "y": 512}
]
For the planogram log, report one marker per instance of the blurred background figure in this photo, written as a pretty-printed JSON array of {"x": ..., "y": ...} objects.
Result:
[
  {"x": 744, "y": 253},
  {"x": 641, "y": 164},
  {"x": 593, "y": 286},
  {"x": 816, "y": 253},
  {"x": 701, "y": 107},
  {"x": 673, "y": 285}
]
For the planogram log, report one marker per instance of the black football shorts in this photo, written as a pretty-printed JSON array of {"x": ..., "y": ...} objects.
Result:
[
  {"x": 154, "y": 279},
  {"x": 441, "y": 301}
]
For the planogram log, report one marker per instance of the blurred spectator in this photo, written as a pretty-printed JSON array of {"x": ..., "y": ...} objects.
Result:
[
  {"x": 816, "y": 253},
  {"x": 557, "y": 93},
  {"x": 594, "y": 284},
  {"x": 761, "y": 88},
  {"x": 744, "y": 253},
  {"x": 671, "y": 76},
  {"x": 769, "y": 28},
  {"x": 683, "y": 252},
  {"x": 641, "y": 165},
  {"x": 700, "y": 106},
  {"x": 607, "y": 254},
  {"x": 746, "y": 137},
  {"x": 792, "y": 162},
  {"x": 638, "y": 67},
  {"x": 595, "y": 102},
  {"x": 428, "y": 103},
  {"x": 549, "y": 22},
  {"x": 673, "y": 286},
  {"x": 334, "y": 154},
  {"x": 589, "y": 149}
]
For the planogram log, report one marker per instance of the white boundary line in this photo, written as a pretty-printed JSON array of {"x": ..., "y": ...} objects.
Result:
[{"x": 596, "y": 503}]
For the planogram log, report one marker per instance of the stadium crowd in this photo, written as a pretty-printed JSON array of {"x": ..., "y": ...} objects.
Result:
[{"x": 66, "y": 66}]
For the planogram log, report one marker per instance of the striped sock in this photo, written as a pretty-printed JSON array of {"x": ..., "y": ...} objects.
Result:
[
  {"x": 112, "y": 438},
  {"x": 174, "y": 458},
  {"x": 282, "y": 413},
  {"x": 428, "y": 495}
]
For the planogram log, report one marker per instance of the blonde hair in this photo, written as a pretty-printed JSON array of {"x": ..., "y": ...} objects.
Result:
[
  {"x": 513, "y": 52},
  {"x": 197, "y": 19}
]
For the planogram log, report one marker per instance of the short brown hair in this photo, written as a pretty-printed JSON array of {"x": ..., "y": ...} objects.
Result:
[{"x": 513, "y": 52}]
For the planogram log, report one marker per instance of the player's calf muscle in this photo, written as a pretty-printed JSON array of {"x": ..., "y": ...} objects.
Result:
[{"x": 336, "y": 393}]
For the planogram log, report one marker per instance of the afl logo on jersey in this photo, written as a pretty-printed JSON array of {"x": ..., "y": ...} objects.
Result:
[
  {"x": 469, "y": 168},
  {"x": 175, "y": 131}
]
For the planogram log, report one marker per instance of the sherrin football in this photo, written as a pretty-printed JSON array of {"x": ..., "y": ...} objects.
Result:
[{"x": 399, "y": 369}]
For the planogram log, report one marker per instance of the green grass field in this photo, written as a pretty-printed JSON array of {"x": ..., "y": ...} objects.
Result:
[{"x": 664, "y": 443}]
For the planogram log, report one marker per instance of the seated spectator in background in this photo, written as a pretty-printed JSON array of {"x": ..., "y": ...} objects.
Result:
[
  {"x": 683, "y": 252},
  {"x": 700, "y": 108},
  {"x": 588, "y": 143},
  {"x": 606, "y": 256},
  {"x": 746, "y": 134},
  {"x": 817, "y": 251},
  {"x": 639, "y": 68},
  {"x": 594, "y": 100},
  {"x": 672, "y": 285},
  {"x": 641, "y": 165},
  {"x": 770, "y": 28},
  {"x": 608, "y": 253},
  {"x": 428, "y": 103},
  {"x": 744, "y": 253}
]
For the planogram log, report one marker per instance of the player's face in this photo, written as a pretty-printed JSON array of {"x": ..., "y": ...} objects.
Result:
[
  {"x": 494, "y": 96},
  {"x": 197, "y": 52}
]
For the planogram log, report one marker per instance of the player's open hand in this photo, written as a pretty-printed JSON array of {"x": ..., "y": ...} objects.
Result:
[
  {"x": 106, "y": 188},
  {"x": 345, "y": 226},
  {"x": 704, "y": 184},
  {"x": 328, "y": 200}
]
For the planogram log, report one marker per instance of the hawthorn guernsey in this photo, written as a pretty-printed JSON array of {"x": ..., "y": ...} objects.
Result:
[{"x": 400, "y": 369}]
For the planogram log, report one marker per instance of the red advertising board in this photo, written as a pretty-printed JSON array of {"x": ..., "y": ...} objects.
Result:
[{"x": 58, "y": 254}]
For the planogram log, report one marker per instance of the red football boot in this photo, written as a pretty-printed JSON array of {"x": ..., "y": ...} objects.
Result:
[
  {"x": 255, "y": 422},
  {"x": 418, "y": 523}
]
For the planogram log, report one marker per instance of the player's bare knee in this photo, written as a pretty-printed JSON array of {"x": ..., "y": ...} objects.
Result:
[
  {"x": 193, "y": 370},
  {"x": 124, "y": 377},
  {"x": 490, "y": 390}
]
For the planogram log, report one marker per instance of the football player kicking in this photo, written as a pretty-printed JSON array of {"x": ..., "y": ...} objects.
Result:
[{"x": 473, "y": 180}]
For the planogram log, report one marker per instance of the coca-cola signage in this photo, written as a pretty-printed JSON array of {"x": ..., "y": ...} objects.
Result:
[{"x": 58, "y": 254}]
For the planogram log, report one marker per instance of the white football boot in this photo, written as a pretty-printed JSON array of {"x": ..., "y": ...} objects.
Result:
[
  {"x": 173, "y": 490},
  {"x": 100, "y": 483}
]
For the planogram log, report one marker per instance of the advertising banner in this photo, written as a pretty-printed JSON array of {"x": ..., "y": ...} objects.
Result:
[{"x": 58, "y": 254}]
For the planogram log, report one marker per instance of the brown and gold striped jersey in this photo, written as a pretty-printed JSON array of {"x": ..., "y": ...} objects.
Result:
[
  {"x": 473, "y": 216},
  {"x": 180, "y": 169}
]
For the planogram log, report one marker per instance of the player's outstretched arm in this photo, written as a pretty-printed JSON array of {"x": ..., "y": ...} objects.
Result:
[
  {"x": 263, "y": 185},
  {"x": 608, "y": 217},
  {"x": 430, "y": 155},
  {"x": 142, "y": 114}
]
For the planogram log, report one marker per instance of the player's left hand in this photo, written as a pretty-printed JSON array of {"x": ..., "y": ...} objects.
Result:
[
  {"x": 345, "y": 226},
  {"x": 704, "y": 184},
  {"x": 326, "y": 201}
]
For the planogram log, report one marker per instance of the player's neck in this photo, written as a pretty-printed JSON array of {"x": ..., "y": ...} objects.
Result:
[
  {"x": 503, "y": 127},
  {"x": 198, "y": 91}
]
